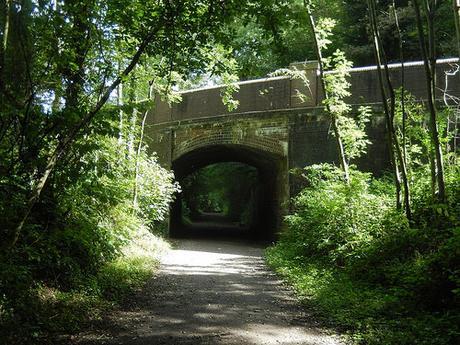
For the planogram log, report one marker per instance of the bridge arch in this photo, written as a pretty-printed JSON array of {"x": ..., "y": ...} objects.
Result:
[
  {"x": 225, "y": 135},
  {"x": 271, "y": 167}
]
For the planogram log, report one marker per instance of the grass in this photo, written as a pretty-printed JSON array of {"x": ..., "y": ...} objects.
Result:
[
  {"x": 366, "y": 313},
  {"x": 52, "y": 312}
]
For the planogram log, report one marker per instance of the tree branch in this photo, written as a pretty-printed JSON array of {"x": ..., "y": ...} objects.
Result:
[{"x": 70, "y": 138}]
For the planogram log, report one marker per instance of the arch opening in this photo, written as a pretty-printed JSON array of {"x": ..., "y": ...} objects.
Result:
[{"x": 228, "y": 191}]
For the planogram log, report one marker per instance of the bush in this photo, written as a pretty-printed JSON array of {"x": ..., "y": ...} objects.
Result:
[
  {"x": 353, "y": 256},
  {"x": 42, "y": 311},
  {"x": 337, "y": 221},
  {"x": 69, "y": 259}
]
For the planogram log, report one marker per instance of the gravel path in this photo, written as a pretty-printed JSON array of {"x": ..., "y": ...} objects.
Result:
[{"x": 212, "y": 292}]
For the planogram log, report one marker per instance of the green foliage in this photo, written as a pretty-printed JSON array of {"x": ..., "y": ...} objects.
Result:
[
  {"x": 352, "y": 129},
  {"x": 42, "y": 310},
  {"x": 336, "y": 220},
  {"x": 228, "y": 188},
  {"x": 353, "y": 132},
  {"x": 336, "y": 83},
  {"x": 365, "y": 313},
  {"x": 70, "y": 259},
  {"x": 324, "y": 33},
  {"x": 356, "y": 259},
  {"x": 225, "y": 66},
  {"x": 156, "y": 190},
  {"x": 294, "y": 74},
  {"x": 253, "y": 48},
  {"x": 71, "y": 55},
  {"x": 59, "y": 62},
  {"x": 269, "y": 34}
]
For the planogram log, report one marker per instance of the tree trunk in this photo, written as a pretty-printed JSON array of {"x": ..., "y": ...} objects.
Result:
[
  {"x": 4, "y": 92},
  {"x": 338, "y": 138},
  {"x": 433, "y": 172},
  {"x": 139, "y": 148},
  {"x": 387, "y": 110},
  {"x": 6, "y": 29},
  {"x": 403, "y": 83},
  {"x": 397, "y": 147},
  {"x": 75, "y": 76},
  {"x": 403, "y": 157},
  {"x": 456, "y": 9},
  {"x": 6, "y": 26},
  {"x": 429, "y": 60},
  {"x": 120, "y": 112},
  {"x": 133, "y": 125}
]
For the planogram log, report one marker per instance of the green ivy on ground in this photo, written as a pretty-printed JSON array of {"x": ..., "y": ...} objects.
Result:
[
  {"x": 45, "y": 313},
  {"x": 365, "y": 270}
]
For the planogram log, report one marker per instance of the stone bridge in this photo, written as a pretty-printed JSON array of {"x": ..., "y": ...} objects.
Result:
[{"x": 273, "y": 130}]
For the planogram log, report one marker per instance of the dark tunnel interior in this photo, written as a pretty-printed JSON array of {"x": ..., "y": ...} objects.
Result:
[{"x": 228, "y": 191}]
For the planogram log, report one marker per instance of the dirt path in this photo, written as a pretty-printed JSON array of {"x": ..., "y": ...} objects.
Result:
[{"x": 212, "y": 292}]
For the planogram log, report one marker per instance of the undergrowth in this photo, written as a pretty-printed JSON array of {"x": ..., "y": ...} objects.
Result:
[
  {"x": 44, "y": 313},
  {"x": 87, "y": 242},
  {"x": 365, "y": 269}
]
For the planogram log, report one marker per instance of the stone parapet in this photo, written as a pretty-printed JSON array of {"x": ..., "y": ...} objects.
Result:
[{"x": 278, "y": 93}]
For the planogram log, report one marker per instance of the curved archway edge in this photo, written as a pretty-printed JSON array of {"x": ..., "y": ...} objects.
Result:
[{"x": 272, "y": 169}]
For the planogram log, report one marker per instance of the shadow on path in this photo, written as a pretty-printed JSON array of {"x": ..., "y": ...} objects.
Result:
[{"x": 211, "y": 292}]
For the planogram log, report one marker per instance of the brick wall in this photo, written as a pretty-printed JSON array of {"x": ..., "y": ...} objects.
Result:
[
  {"x": 281, "y": 93},
  {"x": 267, "y": 134}
]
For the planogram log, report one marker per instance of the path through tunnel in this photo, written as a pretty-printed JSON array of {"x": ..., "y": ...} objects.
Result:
[{"x": 229, "y": 191}]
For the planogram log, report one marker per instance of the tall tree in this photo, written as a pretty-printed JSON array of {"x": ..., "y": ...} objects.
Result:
[
  {"x": 403, "y": 78},
  {"x": 319, "y": 45},
  {"x": 427, "y": 41},
  {"x": 389, "y": 103},
  {"x": 456, "y": 9}
]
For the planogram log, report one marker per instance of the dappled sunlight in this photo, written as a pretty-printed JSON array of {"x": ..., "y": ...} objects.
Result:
[
  {"x": 198, "y": 262},
  {"x": 216, "y": 292},
  {"x": 145, "y": 244},
  {"x": 268, "y": 334}
]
